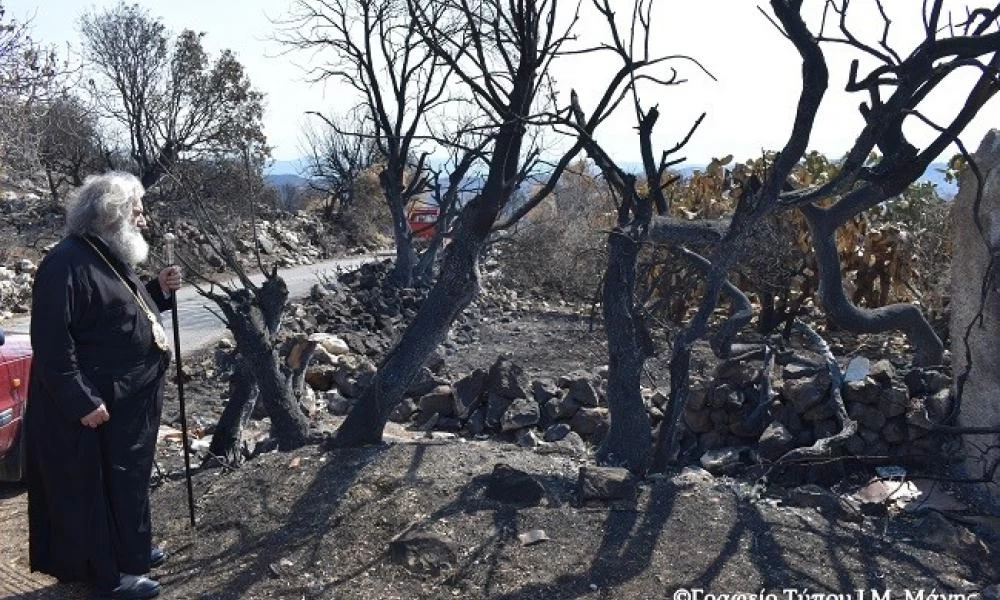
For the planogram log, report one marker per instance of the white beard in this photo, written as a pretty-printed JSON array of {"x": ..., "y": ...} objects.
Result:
[{"x": 127, "y": 242}]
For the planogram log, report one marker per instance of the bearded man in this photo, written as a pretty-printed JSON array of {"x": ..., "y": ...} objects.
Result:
[{"x": 96, "y": 395}]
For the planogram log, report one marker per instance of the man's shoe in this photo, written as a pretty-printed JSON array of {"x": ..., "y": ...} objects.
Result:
[
  {"x": 133, "y": 587},
  {"x": 156, "y": 557}
]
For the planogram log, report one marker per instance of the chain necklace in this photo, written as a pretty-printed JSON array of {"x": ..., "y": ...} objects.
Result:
[{"x": 159, "y": 334}]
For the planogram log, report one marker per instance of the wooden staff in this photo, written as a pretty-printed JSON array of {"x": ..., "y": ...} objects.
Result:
[{"x": 169, "y": 239}]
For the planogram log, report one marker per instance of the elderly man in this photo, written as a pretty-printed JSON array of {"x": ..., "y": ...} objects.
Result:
[{"x": 100, "y": 354}]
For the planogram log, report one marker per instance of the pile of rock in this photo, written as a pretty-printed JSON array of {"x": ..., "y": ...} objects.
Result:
[
  {"x": 15, "y": 287},
  {"x": 295, "y": 239},
  {"x": 557, "y": 416},
  {"x": 736, "y": 413}
]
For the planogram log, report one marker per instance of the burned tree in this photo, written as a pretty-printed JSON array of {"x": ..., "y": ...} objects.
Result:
[
  {"x": 944, "y": 50},
  {"x": 501, "y": 53},
  {"x": 336, "y": 160},
  {"x": 377, "y": 50},
  {"x": 253, "y": 314}
]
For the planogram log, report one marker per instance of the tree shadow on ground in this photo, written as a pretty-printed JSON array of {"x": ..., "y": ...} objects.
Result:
[
  {"x": 307, "y": 521},
  {"x": 784, "y": 564},
  {"x": 626, "y": 550}
]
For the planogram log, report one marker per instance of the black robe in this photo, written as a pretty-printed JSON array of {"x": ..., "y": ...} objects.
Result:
[{"x": 88, "y": 489}]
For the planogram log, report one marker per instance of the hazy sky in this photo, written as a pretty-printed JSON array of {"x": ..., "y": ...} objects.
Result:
[{"x": 750, "y": 107}]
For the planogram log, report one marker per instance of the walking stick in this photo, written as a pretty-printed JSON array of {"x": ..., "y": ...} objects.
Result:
[{"x": 169, "y": 238}]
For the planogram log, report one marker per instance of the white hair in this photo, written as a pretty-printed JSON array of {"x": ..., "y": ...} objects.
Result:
[
  {"x": 103, "y": 203},
  {"x": 103, "y": 207}
]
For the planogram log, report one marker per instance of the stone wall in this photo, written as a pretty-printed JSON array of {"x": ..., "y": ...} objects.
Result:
[{"x": 980, "y": 402}]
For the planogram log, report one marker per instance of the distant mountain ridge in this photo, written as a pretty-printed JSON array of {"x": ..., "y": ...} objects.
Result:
[{"x": 283, "y": 173}]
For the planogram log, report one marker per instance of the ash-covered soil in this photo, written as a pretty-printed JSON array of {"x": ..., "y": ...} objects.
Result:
[
  {"x": 423, "y": 517},
  {"x": 315, "y": 524}
]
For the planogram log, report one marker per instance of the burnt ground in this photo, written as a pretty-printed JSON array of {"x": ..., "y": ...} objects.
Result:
[{"x": 317, "y": 525}]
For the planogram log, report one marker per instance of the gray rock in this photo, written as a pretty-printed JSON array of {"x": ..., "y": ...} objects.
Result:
[
  {"x": 557, "y": 432},
  {"x": 698, "y": 421},
  {"x": 872, "y": 418},
  {"x": 828, "y": 503},
  {"x": 775, "y": 441},
  {"x": 894, "y": 432},
  {"x": 606, "y": 484},
  {"x": 506, "y": 379},
  {"x": 939, "y": 405},
  {"x": 403, "y": 411},
  {"x": 543, "y": 390},
  {"x": 520, "y": 413},
  {"x": 527, "y": 438},
  {"x": 865, "y": 391},
  {"x": 588, "y": 421},
  {"x": 468, "y": 392},
  {"x": 916, "y": 415},
  {"x": 560, "y": 408},
  {"x": 496, "y": 406},
  {"x": 476, "y": 424},
  {"x": 806, "y": 392},
  {"x": 692, "y": 476},
  {"x": 571, "y": 445},
  {"x": 583, "y": 392},
  {"x": 857, "y": 369},
  {"x": 739, "y": 373},
  {"x": 914, "y": 381},
  {"x": 894, "y": 401},
  {"x": 440, "y": 400},
  {"x": 721, "y": 461},
  {"x": 797, "y": 370},
  {"x": 337, "y": 404},
  {"x": 935, "y": 381},
  {"x": 855, "y": 445},
  {"x": 422, "y": 553},
  {"x": 724, "y": 395},
  {"x": 513, "y": 486},
  {"x": 870, "y": 437},
  {"x": 883, "y": 372},
  {"x": 820, "y": 412}
]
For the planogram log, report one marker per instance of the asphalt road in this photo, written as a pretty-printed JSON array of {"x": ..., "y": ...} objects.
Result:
[{"x": 200, "y": 328}]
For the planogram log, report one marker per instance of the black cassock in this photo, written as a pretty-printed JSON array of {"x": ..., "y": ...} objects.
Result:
[{"x": 88, "y": 489}]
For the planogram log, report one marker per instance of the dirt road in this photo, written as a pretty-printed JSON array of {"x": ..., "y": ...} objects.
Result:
[{"x": 199, "y": 327}]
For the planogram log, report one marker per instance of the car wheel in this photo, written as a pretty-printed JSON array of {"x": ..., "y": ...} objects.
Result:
[{"x": 12, "y": 465}]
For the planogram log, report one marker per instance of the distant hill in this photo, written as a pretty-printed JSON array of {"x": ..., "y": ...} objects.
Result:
[
  {"x": 934, "y": 174},
  {"x": 284, "y": 179},
  {"x": 289, "y": 172}
]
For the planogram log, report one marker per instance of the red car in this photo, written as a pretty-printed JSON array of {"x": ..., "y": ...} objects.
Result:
[
  {"x": 423, "y": 222},
  {"x": 15, "y": 366}
]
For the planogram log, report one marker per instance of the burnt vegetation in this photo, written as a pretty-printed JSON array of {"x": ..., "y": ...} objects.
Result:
[{"x": 782, "y": 316}]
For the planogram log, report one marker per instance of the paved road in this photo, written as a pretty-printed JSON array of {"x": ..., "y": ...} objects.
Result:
[{"x": 200, "y": 328}]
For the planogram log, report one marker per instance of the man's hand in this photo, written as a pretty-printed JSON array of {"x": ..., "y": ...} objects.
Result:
[
  {"x": 170, "y": 279},
  {"x": 96, "y": 417}
]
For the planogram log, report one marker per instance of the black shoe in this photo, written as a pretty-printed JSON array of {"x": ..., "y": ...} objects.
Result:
[
  {"x": 157, "y": 556},
  {"x": 132, "y": 587}
]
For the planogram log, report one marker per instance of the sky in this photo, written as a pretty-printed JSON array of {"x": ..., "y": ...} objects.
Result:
[{"x": 750, "y": 103}]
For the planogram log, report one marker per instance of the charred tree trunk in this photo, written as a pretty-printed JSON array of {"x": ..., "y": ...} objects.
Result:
[
  {"x": 406, "y": 258},
  {"x": 629, "y": 439},
  {"x": 905, "y": 317},
  {"x": 456, "y": 287},
  {"x": 253, "y": 323},
  {"x": 243, "y": 394}
]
